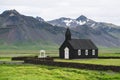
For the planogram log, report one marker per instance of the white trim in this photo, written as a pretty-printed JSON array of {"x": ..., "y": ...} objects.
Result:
[
  {"x": 79, "y": 52},
  {"x": 93, "y": 52},
  {"x": 86, "y": 52}
]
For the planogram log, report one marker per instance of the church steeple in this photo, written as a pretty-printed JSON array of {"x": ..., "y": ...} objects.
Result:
[{"x": 68, "y": 34}]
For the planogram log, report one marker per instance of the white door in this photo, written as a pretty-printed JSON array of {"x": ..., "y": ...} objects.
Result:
[{"x": 66, "y": 53}]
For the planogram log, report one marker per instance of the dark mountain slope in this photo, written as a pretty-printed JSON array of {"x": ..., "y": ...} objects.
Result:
[{"x": 15, "y": 27}]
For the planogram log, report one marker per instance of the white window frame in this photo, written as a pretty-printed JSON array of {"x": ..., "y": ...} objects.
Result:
[
  {"x": 93, "y": 52},
  {"x": 79, "y": 52},
  {"x": 86, "y": 52}
]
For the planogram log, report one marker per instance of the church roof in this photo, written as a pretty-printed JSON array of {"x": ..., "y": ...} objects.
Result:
[{"x": 82, "y": 44}]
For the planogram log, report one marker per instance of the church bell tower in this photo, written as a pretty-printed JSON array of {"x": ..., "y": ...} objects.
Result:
[{"x": 68, "y": 34}]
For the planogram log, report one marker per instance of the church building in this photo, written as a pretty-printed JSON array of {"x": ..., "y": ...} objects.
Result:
[{"x": 77, "y": 48}]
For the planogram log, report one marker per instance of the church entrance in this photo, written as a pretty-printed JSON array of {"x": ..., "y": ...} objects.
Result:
[{"x": 66, "y": 53}]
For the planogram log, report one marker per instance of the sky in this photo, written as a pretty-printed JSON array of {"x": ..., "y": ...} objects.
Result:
[{"x": 98, "y": 10}]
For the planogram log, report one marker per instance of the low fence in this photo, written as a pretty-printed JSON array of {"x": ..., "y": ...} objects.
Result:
[
  {"x": 32, "y": 58},
  {"x": 101, "y": 57},
  {"x": 74, "y": 65},
  {"x": 115, "y": 57},
  {"x": 22, "y": 58}
]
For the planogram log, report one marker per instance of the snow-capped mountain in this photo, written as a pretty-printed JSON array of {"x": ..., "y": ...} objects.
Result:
[
  {"x": 81, "y": 20},
  {"x": 68, "y": 22}
]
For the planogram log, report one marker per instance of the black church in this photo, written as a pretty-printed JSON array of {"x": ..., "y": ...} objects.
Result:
[{"x": 77, "y": 48}]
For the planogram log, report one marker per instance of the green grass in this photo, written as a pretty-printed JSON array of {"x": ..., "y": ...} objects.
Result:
[
  {"x": 29, "y": 46},
  {"x": 115, "y": 62},
  {"x": 53, "y": 52},
  {"x": 109, "y": 54},
  {"x": 109, "y": 50},
  {"x": 5, "y": 58},
  {"x": 50, "y": 50},
  {"x": 14, "y": 53},
  {"x": 39, "y": 72}
]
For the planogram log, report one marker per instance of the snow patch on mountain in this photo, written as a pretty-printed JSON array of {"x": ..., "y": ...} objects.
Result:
[
  {"x": 81, "y": 22},
  {"x": 93, "y": 26},
  {"x": 12, "y": 14},
  {"x": 71, "y": 21},
  {"x": 68, "y": 22}
]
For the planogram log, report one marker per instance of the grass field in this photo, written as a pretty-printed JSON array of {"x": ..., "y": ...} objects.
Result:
[
  {"x": 39, "y": 72},
  {"x": 109, "y": 54},
  {"x": 8, "y": 53},
  {"x": 13, "y": 53},
  {"x": 109, "y": 50},
  {"x": 5, "y": 58},
  {"x": 52, "y": 52}
]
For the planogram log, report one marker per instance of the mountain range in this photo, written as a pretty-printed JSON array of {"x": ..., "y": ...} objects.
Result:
[
  {"x": 18, "y": 28},
  {"x": 103, "y": 34}
]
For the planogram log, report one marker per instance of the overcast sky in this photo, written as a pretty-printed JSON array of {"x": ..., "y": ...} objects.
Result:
[{"x": 98, "y": 10}]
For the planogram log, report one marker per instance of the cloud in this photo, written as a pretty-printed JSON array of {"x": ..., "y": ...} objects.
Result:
[{"x": 99, "y": 10}]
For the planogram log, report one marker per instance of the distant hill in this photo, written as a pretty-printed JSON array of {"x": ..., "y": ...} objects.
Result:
[{"x": 16, "y": 28}]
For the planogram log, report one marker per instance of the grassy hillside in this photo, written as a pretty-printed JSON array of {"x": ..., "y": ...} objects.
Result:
[
  {"x": 39, "y": 72},
  {"x": 29, "y": 46}
]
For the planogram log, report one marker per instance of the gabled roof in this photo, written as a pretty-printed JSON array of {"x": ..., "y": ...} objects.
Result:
[{"x": 82, "y": 44}]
